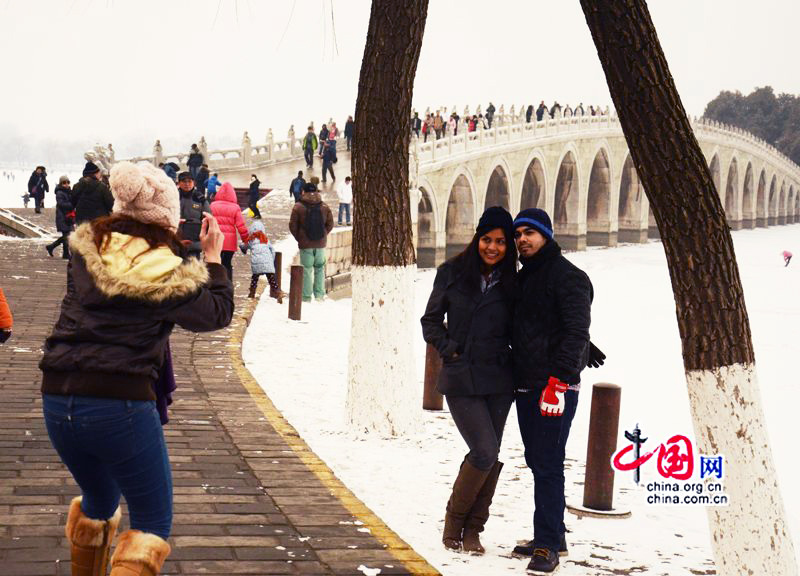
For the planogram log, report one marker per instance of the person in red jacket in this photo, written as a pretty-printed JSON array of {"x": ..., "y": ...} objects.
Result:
[
  {"x": 6, "y": 320},
  {"x": 228, "y": 213}
]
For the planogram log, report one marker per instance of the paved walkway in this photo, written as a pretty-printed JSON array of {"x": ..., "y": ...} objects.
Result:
[{"x": 250, "y": 496}]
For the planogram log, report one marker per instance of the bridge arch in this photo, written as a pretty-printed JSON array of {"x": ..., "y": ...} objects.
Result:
[
  {"x": 731, "y": 196},
  {"x": 772, "y": 217},
  {"x": 748, "y": 199},
  {"x": 781, "y": 213},
  {"x": 713, "y": 167},
  {"x": 460, "y": 216},
  {"x": 598, "y": 202},
  {"x": 761, "y": 200},
  {"x": 566, "y": 208},
  {"x": 790, "y": 218},
  {"x": 632, "y": 201},
  {"x": 428, "y": 255},
  {"x": 498, "y": 187},
  {"x": 533, "y": 193}
]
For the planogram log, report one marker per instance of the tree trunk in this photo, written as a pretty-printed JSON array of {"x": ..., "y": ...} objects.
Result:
[
  {"x": 749, "y": 536},
  {"x": 382, "y": 391}
]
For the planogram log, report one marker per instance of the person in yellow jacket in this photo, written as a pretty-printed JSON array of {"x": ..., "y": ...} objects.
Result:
[{"x": 6, "y": 320}]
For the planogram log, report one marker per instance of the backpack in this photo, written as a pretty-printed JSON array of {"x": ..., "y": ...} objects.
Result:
[{"x": 314, "y": 224}]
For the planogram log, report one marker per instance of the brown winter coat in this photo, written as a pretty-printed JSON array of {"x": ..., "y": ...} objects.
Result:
[
  {"x": 118, "y": 312},
  {"x": 297, "y": 221}
]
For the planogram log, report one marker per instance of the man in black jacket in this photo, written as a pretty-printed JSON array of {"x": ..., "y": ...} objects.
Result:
[
  {"x": 550, "y": 344},
  {"x": 193, "y": 204},
  {"x": 90, "y": 196}
]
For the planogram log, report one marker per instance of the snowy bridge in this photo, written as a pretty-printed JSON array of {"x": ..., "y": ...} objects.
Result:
[{"x": 577, "y": 168}]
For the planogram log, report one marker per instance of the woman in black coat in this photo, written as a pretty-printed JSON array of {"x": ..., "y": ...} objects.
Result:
[
  {"x": 254, "y": 196},
  {"x": 65, "y": 217},
  {"x": 475, "y": 291}
]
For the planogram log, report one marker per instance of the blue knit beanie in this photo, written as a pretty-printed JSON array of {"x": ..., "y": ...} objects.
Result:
[{"x": 535, "y": 218}]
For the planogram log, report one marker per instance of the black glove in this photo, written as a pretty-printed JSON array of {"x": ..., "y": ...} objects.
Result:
[
  {"x": 4, "y": 335},
  {"x": 596, "y": 356}
]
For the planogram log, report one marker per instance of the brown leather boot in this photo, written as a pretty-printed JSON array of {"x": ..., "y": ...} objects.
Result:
[
  {"x": 252, "y": 293},
  {"x": 465, "y": 489},
  {"x": 479, "y": 514},
  {"x": 139, "y": 554},
  {"x": 90, "y": 540}
]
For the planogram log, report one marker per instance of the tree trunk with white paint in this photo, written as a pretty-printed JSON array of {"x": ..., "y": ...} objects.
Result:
[
  {"x": 383, "y": 395},
  {"x": 750, "y": 536}
]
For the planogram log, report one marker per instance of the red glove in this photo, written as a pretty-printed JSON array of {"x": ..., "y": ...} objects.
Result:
[{"x": 551, "y": 402}]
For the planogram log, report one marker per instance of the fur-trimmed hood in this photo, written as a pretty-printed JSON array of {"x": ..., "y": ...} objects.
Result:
[{"x": 128, "y": 268}]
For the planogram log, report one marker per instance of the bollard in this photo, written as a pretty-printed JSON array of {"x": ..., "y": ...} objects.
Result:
[
  {"x": 598, "y": 490},
  {"x": 278, "y": 268},
  {"x": 431, "y": 399},
  {"x": 295, "y": 292}
]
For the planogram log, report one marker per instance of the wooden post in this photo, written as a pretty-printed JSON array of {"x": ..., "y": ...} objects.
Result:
[
  {"x": 598, "y": 490},
  {"x": 431, "y": 399},
  {"x": 278, "y": 268},
  {"x": 295, "y": 292}
]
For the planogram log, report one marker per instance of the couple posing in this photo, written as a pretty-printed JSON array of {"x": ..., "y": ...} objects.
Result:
[{"x": 510, "y": 336}]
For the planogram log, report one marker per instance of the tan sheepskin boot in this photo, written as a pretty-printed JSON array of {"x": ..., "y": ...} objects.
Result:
[
  {"x": 90, "y": 540},
  {"x": 139, "y": 554}
]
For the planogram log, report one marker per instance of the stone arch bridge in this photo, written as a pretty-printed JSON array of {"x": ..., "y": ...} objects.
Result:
[{"x": 579, "y": 169}]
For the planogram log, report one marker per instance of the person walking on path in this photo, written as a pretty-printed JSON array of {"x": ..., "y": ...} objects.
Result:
[
  {"x": 129, "y": 283},
  {"x": 551, "y": 347},
  {"x": 65, "y": 217},
  {"x": 193, "y": 206},
  {"x": 296, "y": 186},
  {"x": 309, "y": 147},
  {"x": 90, "y": 196},
  {"x": 37, "y": 186},
  {"x": 310, "y": 223},
  {"x": 254, "y": 196},
  {"x": 195, "y": 161},
  {"x": 475, "y": 291},
  {"x": 787, "y": 257},
  {"x": 6, "y": 319},
  {"x": 226, "y": 210},
  {"x": 349, "y": 131},
  {"x": 213, "y": 184},
  {"x": 323, "y": 137},
  {"x": 490, "y": 114},
  {"x": 345, "y": 194},
  {"x": 329, "y": 159},
  {"x": 201, "y": 183},
  {"x": 262, "y": 260}
]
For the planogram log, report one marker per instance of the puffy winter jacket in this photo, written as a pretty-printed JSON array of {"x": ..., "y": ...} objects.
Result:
[
  {"x": 297, "y": 221},
  {"x": 6, "y": 319},
  {"x": 119, "y": 310},
  {"x": 63, "y": 206},
  {"x": 193, "y": 204},
  {"x": 551, "y": 320},
  {"x": 92, "y": 199},
  {"x": 262, "y": 256},
  {"x": 226, "y": 210}
]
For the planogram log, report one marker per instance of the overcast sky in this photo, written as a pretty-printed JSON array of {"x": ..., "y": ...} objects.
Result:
[{"x": 131, "y": 71}]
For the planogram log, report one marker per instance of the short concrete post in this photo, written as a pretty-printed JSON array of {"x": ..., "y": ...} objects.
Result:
[
  {"x": 295, "y": 292},
  {"x": 431, "y": 399},
  {"x": 598, "y": 489}
]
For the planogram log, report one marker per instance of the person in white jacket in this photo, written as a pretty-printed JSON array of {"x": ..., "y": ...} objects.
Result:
[{"x": 345, "y": 194}]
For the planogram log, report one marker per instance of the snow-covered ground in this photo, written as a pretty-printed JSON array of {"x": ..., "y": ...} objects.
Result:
[
  {"x": 303, "y": 368},
  {"x": 14, "y": 182}
]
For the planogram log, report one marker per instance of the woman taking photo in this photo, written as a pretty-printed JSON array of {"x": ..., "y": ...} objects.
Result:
[
  {"x": 475, "y": 291},
  {"x": 128, "y": 283}
]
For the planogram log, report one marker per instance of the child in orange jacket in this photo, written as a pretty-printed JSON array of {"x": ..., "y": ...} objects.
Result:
[{"x": 6, "y": 320}]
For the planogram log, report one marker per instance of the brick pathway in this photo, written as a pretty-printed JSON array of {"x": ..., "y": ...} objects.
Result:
[{"x": 250, "y": 497}]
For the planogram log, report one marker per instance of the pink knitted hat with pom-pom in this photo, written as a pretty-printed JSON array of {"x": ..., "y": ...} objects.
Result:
[{"x": 145, "y": 193}]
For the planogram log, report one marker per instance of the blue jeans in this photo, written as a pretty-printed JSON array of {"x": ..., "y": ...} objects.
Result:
[
  {"x": 346, "y": 209},
  {"x": 545, "y": 440},
  {"x": 114, "y": 447}
]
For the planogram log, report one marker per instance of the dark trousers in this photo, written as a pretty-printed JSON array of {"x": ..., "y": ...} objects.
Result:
[
  {"x": 227, "y": 261},
  {"x": 254, "y": 207},
  {"x": 308, "y": 154},
  {"x": 38, "y": 202},
  {"x": 327, "y": 165},
  {"x": 114, "y": 447},
  {"x": 271, "y": 279},
  {"x": 480, "y": 421},
  {"x": 349, "y": 142},
  {"x": 64, "y": 241},
  {"x": 545, "y": 440}
]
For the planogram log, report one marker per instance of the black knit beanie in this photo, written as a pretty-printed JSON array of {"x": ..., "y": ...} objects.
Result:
[
  {"x": 90, "y": 168},
  {"x": 535, "y": 218},
  {"x": 496, "y": 217}
]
